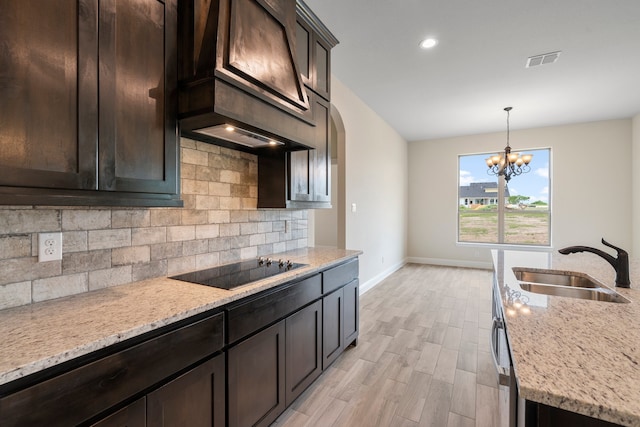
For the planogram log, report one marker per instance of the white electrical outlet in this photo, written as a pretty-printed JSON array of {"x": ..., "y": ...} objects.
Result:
[{"x": 49, "y": 247}]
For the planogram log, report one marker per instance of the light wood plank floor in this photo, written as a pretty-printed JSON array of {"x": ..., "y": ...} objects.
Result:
[{"x": 423, "y": 357}]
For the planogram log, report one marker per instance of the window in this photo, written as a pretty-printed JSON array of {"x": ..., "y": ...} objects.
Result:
[{"x": 521, "y": 217}]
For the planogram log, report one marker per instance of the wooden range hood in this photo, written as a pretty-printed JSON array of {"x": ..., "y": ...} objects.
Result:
[{"x": 238, "y": 68}]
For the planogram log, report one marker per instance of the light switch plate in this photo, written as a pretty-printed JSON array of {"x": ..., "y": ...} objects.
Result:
[{"x": 49, "y": 247}]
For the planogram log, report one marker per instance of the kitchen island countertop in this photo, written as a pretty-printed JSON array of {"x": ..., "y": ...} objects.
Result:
[
  {"x": 579, "y": 355},
  {"x": 41, "y": 335}
]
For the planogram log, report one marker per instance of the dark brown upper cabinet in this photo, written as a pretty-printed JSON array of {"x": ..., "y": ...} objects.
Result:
[
  {"x": 302, "y": 179},
  {"x": 310, "y": 171},
  {"x": 238, "y": 67},
  {"x": 88, "y": 103},
  {"x": 314, "y": 51}
]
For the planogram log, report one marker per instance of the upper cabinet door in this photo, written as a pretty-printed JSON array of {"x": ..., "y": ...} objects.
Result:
[
  {"x": 138, "y": 81},
  {"x": 322, "y": 68},
  {"x": 322, "y": 163},
  {"x": 304, "y": 40},
  {"x": 48, "y": 94},
  {"x": 313, "y": 50},
  {"x": 88, "y": 102}
]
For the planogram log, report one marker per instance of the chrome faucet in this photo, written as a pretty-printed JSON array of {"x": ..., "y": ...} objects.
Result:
[{"x": 620, "y": 264}]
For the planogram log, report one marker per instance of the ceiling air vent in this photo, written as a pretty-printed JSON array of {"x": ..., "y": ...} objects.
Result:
[{"x": 545, "y": 58}]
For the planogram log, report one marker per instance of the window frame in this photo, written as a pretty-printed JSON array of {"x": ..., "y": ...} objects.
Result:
[{"x": 501, "y": 210}]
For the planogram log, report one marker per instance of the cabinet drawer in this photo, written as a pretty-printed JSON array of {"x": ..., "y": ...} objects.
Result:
[
  {"x": 84, "y": 392},
  {"x": 339, "y": 276},
  {"x": 259, "y": 312}
]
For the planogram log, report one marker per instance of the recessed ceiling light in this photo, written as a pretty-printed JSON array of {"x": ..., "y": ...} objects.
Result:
[{"x": 428, "y": 43}]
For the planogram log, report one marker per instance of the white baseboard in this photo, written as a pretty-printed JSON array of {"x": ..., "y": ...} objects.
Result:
[
  {"x": 371, "y": 283},
  {"x": 451, "y": 262}
]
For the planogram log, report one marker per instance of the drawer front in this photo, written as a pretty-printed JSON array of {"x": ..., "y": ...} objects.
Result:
[
  {"x": 339, "y": 276},
  {"x": 77, "y": 395},
  {"x": 250, "y": 316}
]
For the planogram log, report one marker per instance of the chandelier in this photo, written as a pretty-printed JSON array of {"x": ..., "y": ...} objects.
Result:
[{"x": 508, "y": 164}]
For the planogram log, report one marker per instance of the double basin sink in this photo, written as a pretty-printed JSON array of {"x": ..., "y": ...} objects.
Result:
[{"x": 565, "y": 284}]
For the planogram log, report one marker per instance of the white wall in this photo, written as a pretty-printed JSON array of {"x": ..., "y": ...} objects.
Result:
[
  {"x": 591, "y": 190},
  {"x": 635, "y": 158},
  {"x": 376, "y": 181}
]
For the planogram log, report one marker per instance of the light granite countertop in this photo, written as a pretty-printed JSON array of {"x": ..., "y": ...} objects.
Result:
[
  {"x": 41, "y": 335},
  {"x": 579, "y": 355}
]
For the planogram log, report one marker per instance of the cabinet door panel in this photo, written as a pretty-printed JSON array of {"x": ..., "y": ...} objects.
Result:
[
  {"x": 137, "y": 85},
  {"x": 304, "y": 349},
  {"x": 332, "y": 329},
  {"x": 301, "y": 175},
  {"x": 303, "y": 51},
  {"x": 194, "y": 399},
  {"x": 322, "y": 160},
  {"x": 256, "y": 378},
  {"x": 133, "y": 415},
  {"x": 47, "y": 102},
  {"x": 322, "y": 69},
  {"x": 351, "y": 313}
]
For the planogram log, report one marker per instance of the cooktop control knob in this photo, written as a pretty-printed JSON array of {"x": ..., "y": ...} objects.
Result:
[
  {"x": 269, "y": 261},
  {"x": 281, "y": 262},
  {"x": 260, "y": 261},
  {"x": 289, "y": 263}
]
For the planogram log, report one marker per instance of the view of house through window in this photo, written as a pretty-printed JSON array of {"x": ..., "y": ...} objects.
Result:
[{"x": 521, "y": 217}]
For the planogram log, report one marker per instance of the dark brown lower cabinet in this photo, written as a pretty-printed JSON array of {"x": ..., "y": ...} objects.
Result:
[
  {"x": 171, "y": 378},
  {"x": 540, "y": 415},
  {"x": 194, "y": 399},
  {"x": 303, "y": 349},
  {"x": 256, "y": 378},
  {"x": 267, "y": 371},
  {"x": 340, "y": 314}
]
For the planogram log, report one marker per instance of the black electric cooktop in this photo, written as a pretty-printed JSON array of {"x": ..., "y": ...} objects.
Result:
[{"x": 233, "y": 275}]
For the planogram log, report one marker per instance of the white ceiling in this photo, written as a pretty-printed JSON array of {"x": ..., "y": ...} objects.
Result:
[{"x": 462, "y": 85}]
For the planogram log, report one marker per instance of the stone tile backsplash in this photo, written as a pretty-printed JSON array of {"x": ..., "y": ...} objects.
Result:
[{"x": 105, "y": 247}]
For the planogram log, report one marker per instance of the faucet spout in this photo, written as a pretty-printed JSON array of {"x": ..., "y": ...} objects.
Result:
[{"x": 620, "y": 264}]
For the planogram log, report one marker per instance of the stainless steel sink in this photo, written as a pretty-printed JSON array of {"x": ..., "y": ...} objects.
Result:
[
  {"x": 565, "y": 284},
  {"x": 557, "y": 278},
  {"x": 594, "y": 294}
]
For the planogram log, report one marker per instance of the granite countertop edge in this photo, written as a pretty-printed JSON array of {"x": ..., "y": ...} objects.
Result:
[{"x": 41, "y": 335}]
